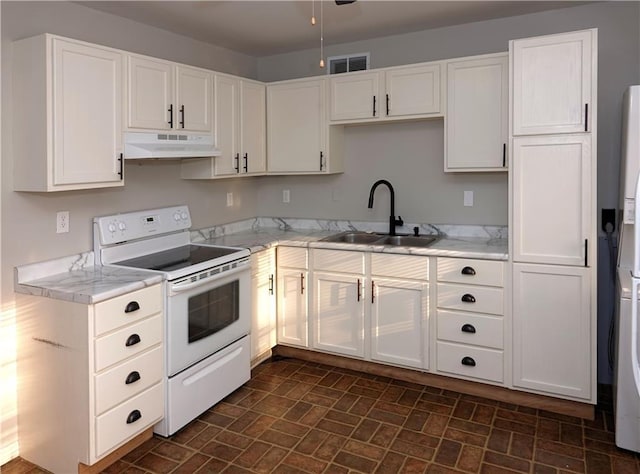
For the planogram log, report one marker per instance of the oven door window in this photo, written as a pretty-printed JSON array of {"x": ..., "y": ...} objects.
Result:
[{"x": 213, "y": 310}]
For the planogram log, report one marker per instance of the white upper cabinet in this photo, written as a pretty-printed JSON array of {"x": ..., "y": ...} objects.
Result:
[
  {"x": 401, "y": 92},
  {"x": 299, "y": 137},
  {"x": 67, "y": 115},
  {"x": 552, "y": 83},
  {"x": 239, "y": 117},
  {"x": 168, "y": 96},
  {"x": 552, "y": 200},
  {"x": 476, "y": 119}
]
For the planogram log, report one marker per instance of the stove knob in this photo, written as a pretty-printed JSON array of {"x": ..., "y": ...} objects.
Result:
[
  {"x": 176, "y": 216},
  {"x": 112, "y": 228},
  {"x": 122, "y": 226},
  {"x": 184, "y": 215}
]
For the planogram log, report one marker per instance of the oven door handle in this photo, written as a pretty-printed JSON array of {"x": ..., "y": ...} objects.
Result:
[{"x": 210, "y": 279}]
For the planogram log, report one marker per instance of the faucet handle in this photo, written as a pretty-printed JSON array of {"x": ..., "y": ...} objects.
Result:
[{"x": 399, "y": 221}]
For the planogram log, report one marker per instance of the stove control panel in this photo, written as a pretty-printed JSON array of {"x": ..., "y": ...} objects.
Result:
[{"x": 120, "y": 228}]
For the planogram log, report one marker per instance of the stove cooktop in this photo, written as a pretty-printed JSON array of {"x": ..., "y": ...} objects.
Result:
[{"x": 177, "y": 258}]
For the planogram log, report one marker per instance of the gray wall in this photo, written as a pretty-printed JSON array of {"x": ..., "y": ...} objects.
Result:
[{"x": 619, "y": 67}]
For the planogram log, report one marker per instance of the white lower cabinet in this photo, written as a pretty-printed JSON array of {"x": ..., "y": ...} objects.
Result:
[
  {"x": 263, "y": 321},
  {"x": 552, "y": 334},
  {"x": 292, "y": 296},
  {"x": 469, "y": 320},
  {"x": 399, "y": 310},
  {"x": 101, "y": 366}
]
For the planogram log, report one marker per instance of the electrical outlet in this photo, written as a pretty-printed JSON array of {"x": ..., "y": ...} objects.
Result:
[
  {"x": 62, "y": 222},
  {"x": 229, "y": 199},
  {"x": 608, "y": 220},
  {"x": 468, "y": 198},
  {"x": 286, "y": 195}
]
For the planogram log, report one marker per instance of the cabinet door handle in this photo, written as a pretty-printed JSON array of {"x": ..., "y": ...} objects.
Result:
[
  {"x": 374, "y": 105},
  {"x": 271, "y": 284},
  {"x": 359, "y": 292},
  {"x": 132, "y": 306},
  {"x": 468, "y": 361},
  {"x": 132, "y": 340},
  {"x": 170, "y": 109},
  {"x": 586, "y": 117},
  {"x": 134, "y": 416},
  {"x": 586, "y": 252},
  {"x": 321, "y": 163},
  {"x": 246, "y": 162},
  {"x": 467, "y": 298},
  {"x": 387, "y": 104},
  {"x": 182, "y": 116},
  {"x": 504, "y": 155},
  {"x": 132, "y": 377},
  {"x": 121, "y": 172},
  {"x": 237, "y": 166},
  {"x": 373, "y": 291},
  {"x": 468, "y": 271},
  {"x": 468, "y": 328},
  {"x": 302, "y": 283}
]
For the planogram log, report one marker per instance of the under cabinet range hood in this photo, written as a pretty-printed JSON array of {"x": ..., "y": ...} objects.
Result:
[{"x": 168, "y": 145}]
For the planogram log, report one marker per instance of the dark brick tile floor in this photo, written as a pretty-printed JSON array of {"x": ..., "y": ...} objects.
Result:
[{"x": 300, "y": 417}]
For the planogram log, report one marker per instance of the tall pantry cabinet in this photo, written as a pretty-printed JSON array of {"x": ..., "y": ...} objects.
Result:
[{"x": 553, "y": 213}]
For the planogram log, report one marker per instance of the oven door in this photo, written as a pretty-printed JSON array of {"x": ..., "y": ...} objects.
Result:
[{"x": 206, "y": 315}]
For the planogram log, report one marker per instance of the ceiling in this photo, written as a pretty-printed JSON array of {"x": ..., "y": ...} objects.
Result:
[{"x": 263, "y": 28}]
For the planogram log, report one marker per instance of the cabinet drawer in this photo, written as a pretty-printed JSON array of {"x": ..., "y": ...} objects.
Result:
[
  {"x": 112, "y": 314},
  {"x": 111, "y": 387},
  {"x": 469, "y": 361},
  {"x": 117, "y": 425},
  {"x": 292, "y": 257},
  {"x": 113, "y": 348},
  {"x": 400, "y": 266},
  {"x": 474, "y": 272},
  {"x": 478, "y": 299},
  {"x": 470, "y": 328},
  {"x": 338, "y": 261}
]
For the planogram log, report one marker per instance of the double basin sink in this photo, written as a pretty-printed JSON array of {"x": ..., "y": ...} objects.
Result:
[{"x": 382, "y": 239}]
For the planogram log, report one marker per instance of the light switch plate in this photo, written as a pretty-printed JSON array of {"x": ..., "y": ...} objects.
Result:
[
  {"x": 229, "y": 199},
  {"x": 468, "y": 198},
  {"x": 286, "y": 195}
]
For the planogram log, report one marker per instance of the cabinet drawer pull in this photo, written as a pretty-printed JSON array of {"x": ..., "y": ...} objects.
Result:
[
  {"x": 271, "y": 284},
  {"x": 134, "y": 416},
  {"x": 504, "y": 155},
  {"x": 586, "y": 117},
  {"x": 246, "y": 162},
  {"x": 132, "y": 306},
  {"x": 182, "y": 116},
  {"x": 237, "y": 165},
  {"x": 132, "y": 340},
  {"x": 468, "y": 361},
  {"x": 468, "y": 271},
  {"x": 374, "y": 105},
  {"x": 373, "y": 291},
  {"x": 387, "y": 104},
  {"x": 121, "y": 172},
  {"x": 321, "y": 162},
  {"x": 468, "y": 328},
  {"x": 302, "y": 283},
  {"x": 170, "y": 122},
  {"x": 359, "y": 293},
  {"x": 467, "y": 298},
  {"x": 132, "y": 377}
]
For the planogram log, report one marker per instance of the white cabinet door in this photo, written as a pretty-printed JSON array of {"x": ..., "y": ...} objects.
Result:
[
  {"x": 253, "y": 130},
  {"x": 150, "y": 94},
  {"x": 296, "y": 126},
  {"x": 356, "y": 96},
  {"x": 263, "y": 324},
  {"x": 412, "y": 91},
  {"x": 552, "y": 82},
  {"x": 476, "y": 122},
  {"x": 192, "y": 108},
  {"x": 338, "y": 313},
  {"x": 292, "y": 307},
  {"x": 227, "y": 125},
  {"x": 552, "y": 330},
  {"x": 552, "y": 200},
  {"x": 398, "y": 312}
]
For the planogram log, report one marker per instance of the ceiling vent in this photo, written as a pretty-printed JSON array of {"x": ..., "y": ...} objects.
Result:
[{"x": 348, "y": 63}]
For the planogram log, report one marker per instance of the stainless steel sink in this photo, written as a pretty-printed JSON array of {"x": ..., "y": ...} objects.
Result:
[
  {"x": 381, "y": 239},
  {"x": 353, "y": 238},
  {"x": 408, "y": 240}
]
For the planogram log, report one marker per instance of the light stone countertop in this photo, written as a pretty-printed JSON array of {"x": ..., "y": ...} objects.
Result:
[{"x": 76, "y": 278}]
